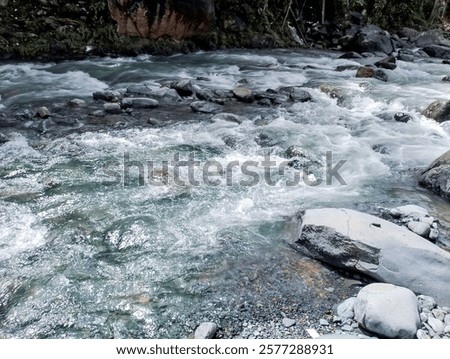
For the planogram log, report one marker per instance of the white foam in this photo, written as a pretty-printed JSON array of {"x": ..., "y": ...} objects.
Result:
[{"x": 20, "y": 231}]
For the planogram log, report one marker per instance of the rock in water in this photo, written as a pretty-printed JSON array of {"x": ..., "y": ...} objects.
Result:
[
  {"x": 438, "y": 111},
  {"x": 436, "y": 177},
  {"x": 388, "y": 63},
  {"x": 388, "y": 311},
  {"x": 76, "y": 102},
  {"x": 442, "y": 52},
  {"x": 43, "y": 112},
  {"x": 385, "y": 251},
  {"x": 204, "y": 107},
  {"x": 365, "y": 72},
  {"x": 183, "y": 87},
  {"x": 205, "y": 331},
  {"x": 243, "y": 94},
  {"x": 112, "y": 108},
  {"x": 230, "y": 117},
  {"x": 139, "y": 103}
]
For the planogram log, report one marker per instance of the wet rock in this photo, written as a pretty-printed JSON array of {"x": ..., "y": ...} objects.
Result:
[
  {"x": 206, "y": 331},
  {"x": 204, "y": 93},
  {"x": 436, "y": 177},
  {"x": 108, "y": 96},
  {"x": 98, "y": 113},
  {"x": 139, "y": 103},
  {"x": 441, "y": 52},
  {"x": 388, "y": 311},
  {"x": 230, "y": 117},
  {"x": 350, "y": 55},
  {"x": 243, "y": 94},
  {"x": 183, "y": 87},
  {"x": 377, "y": 248},
  {"x": 381, "y": 75},
  {"x": 77, "y": 103},
  {"x": 203, "y": 78},
  {"x": 388, "y": 63},
  {"x": 365, "y": 72},
  {"x": 438, "y": 111},
  {"x": 406, "y": 55},
  {"x": 300, "y": 95},
  {"x": 112, "y": 108},
  {"x": 343, "y": 68},
  {"x": 6, "y": 121},
  {"x": 446, "y": 79},
  {"x": 205, "y": 107},
  {"x": 43, "y": 112},
  {"x": 402, "y": 117},
  {"x": 436, "y": 325}
]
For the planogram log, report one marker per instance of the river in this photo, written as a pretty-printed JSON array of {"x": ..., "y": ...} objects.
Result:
[{"x": 84, "y": 257}]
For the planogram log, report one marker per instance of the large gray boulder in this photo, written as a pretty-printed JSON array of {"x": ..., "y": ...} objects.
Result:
[
  {"x": 437, "y": 176},
  {"x": 388, "y": 311},
  {"x": 371, "y": 38},
  {"x": 380, "y": 249}
]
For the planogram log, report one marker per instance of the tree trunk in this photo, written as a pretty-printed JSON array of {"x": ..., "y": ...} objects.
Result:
[{"x": 438, "y": 11}]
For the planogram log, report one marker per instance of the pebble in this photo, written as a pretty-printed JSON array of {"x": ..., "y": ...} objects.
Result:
[
  {"x": 77, "y": 103},
  {"x": 324, "y": 322},
  {"x": 205, "y": 330},
  {"x": 436, "y": 325},
  {"x": 422, "y": 334},
  {"x": 423, "y": 317},
  {"x": 427, "y": 302},
  {"x": 439, "y": 314},
  {"x": 447, "y": 319},
  {"x": 112, "y": 108},
  {"x": 347, "y": 328},
  {"x": 434, "y": 234},
  {"x": 243, "y": 94},
  {"x": 43, "y": 112},
  {"x": 287, "y": 322}
]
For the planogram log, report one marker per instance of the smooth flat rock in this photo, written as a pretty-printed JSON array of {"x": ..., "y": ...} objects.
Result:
[
  {"x": 388, "y": 311},
  {"x": 385, "y": 251},
  {"x": 205, "y": 107},
  {"x": 141, "y": 103}
]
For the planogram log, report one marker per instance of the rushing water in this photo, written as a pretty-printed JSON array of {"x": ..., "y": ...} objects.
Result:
[{"x": 86, "y": 259}]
